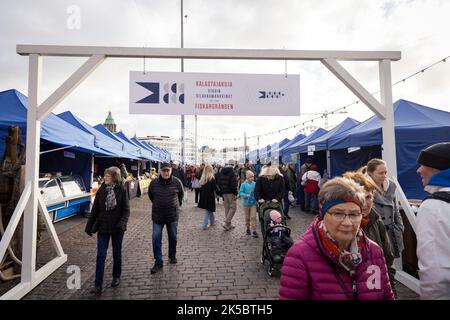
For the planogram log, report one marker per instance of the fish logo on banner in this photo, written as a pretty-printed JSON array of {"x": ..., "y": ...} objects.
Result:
[
  {"x": 270, "y": 94},
  {"x": 172, "y": 92}
]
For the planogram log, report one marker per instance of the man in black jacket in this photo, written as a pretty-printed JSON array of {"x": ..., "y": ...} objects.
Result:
[
  {"x": 227, "y": 181},
  {"x": 166, "y": 193},
  {"x": 178, "y": 172}
]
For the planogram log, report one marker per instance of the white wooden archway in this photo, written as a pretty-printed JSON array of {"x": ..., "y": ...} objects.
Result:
[{"x": 37, "y": 110}]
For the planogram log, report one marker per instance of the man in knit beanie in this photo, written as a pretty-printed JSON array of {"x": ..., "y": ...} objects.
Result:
[{"x": 433, "y": 223}]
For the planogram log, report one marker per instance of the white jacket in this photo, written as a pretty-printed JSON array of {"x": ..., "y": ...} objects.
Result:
[
  {"x": 433, "y": 248},
  {"x": 311, "y": 175}
]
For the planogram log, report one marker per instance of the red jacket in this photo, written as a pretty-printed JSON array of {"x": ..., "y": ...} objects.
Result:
[{"x": 307, "y": 275}]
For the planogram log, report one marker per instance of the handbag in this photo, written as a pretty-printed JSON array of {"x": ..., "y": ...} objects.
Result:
[{"x": 291, "y": 197}]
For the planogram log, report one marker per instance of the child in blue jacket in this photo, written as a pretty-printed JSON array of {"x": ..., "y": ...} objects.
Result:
[{"x": 247, "y": 193}]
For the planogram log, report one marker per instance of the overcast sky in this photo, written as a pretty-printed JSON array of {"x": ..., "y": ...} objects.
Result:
[{"x": 417, "y": 28}]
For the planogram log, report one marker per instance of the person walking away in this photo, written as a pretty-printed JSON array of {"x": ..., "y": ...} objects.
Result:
[
  {"x": 247, "y": 193},
  {"x": 216, "y": 176},
  {"x": 177, "y": 171},
  {"x": 287, "y": 189},
  {"x": 433, "y": 223},
  {"x": 207, "y": 196},
  {"x": 385, "y": 203},
  {"x": 373, "y": 226},
  {"x": 300, "y": 188},
  {"x": 228, "y": 185},
  {"x": 311, "y": 181},
  {"x": 166, "y": 194},
  {"x": 292, "y": 178},
  {"x": 196, "y": 183},
  {"x": 334, "y": 260},
  {"x": 109, "y": 217}
]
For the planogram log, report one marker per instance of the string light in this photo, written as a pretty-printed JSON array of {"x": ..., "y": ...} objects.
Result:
[{"x": 324, "y": 114}]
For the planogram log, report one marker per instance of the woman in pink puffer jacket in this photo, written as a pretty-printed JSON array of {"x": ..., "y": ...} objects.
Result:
[{"x": 334, "y": 260}]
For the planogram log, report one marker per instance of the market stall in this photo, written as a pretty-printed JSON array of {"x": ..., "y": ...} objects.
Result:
[{"x": 64, "y": 196}]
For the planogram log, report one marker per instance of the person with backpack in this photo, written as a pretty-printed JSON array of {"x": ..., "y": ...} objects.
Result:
[{"x": 433, "y": 223}]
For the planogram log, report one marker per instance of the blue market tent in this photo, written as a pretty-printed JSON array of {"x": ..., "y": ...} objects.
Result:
[
  {"x": 127, "y": 146},
  {"x": 252, "y": 156},
  {"x": 416, "y": 127},
  {"x": 145, "y": 153},
  {"x": 295, "y": 146},
  {"x": 264, "y": 153},
  {"x": 162, "y": 154},
  {"x": 13, "y": 108},
  {"x": 146, "y": 148},
  {"x": 285, "y": 156},
  {"x": 55, "y": 133},
  {"x": 100, "y": 139},
  {"x": 321, "y": 143}
]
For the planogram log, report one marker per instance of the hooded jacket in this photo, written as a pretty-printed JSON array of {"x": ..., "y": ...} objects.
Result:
[
  {"x": 433, "y": 241},
  {"x": 307, "y": 275}
]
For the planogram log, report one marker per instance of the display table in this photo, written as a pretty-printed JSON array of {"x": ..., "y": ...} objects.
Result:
[
  {"x": 144, "y": 184},
  {"x": 64, "y": 196},
  {"x": 68, "y": 206}
]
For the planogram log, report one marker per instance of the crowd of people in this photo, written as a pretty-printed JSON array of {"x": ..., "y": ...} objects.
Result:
[{"x": 348, "y": 250}]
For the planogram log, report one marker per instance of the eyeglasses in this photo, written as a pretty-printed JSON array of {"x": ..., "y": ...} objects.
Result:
[{"x": 354, "y": 216}]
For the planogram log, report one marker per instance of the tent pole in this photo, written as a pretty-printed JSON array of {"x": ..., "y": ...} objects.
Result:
[
  {"x": 32, "y": 170},
  {"x": 388, "y": 150}
]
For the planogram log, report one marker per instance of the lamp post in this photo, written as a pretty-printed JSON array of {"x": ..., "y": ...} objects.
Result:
[{"x": 182, "y": 116}]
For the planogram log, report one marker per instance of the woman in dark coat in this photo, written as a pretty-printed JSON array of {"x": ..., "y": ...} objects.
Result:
[
  {"x": 207, "y": 195},
  {"x": 109, "y": 217},
  {"x": 270, "y": 185}
]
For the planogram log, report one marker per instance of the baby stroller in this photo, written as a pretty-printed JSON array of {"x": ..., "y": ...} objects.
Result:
[{"x": 276, "y": 236}]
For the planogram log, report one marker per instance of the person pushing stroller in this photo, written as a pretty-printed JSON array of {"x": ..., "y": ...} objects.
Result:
[{"x": 269, "y": 185}]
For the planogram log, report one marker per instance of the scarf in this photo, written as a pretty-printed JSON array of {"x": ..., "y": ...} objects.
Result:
[
  {"x": 365, "y": 221},
  {"x": 110, "y": 197},
  {"x": 349, "y": 260}
]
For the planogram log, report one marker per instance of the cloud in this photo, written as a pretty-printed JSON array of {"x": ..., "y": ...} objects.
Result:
[{"x": 417, "y": 28}]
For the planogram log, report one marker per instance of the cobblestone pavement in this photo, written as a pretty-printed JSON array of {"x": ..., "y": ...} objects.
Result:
[{"x": 212, "y": 264}]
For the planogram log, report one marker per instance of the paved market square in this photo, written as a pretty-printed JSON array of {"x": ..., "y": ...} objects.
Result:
[{"x": 212, "y": 264}]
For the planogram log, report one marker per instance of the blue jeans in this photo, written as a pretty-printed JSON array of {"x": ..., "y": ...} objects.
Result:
[
  {"x": 157, "y": 239},
  {"x": 209, "y": 216},
  {"x": 102, "y": 250}
]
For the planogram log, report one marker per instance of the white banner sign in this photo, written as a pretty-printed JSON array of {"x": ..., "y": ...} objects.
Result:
[{"x": 214, "y": 94}]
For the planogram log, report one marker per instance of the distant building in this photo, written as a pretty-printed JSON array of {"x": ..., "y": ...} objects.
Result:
[
  {"x": 173, "y": 146},
  {"x": 209, "y": 155},
  {"x": 109, "y": 123},
  {"x": 235, "y": 153}
]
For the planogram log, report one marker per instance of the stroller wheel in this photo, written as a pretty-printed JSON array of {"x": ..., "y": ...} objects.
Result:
[{"x": 269, "y": 270}]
